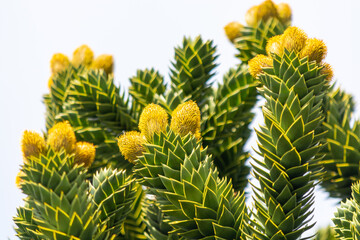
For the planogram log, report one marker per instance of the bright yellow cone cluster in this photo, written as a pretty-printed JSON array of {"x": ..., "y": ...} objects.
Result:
[
  {"x": 83, "y": 55},
  {"x": 32, "y": 144},
  {"x": 255, "y": 14},
  {"x": 104, "y": 62},
  {"x": 84, "y": 153},
  {"x": 131, "y": 145},
  {"x": 60, "y": 137},
  {"x": 186, "y": 119},
  {"x": 266, "y": 10},
  {"x": 58, "y": 63},
  {"x": 233, "y": 30},
  {"x": 258, "y": 62},
  {"x": 293, "y": 40},
  {"x": 154, "y": 120}
]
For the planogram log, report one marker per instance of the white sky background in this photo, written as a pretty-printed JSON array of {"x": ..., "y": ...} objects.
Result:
[{"x": 139, "y": 34}]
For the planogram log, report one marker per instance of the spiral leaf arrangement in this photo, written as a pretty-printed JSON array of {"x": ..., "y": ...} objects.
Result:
[
  {"x": 180, "y": 174},
  {"x": 342, "y": 156},
  {"x": 181, "y": 170},
  {"x": 293, "y": 88}
]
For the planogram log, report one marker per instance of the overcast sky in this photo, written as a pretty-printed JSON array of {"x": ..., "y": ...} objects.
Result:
[{"x": 139, "y": 34}]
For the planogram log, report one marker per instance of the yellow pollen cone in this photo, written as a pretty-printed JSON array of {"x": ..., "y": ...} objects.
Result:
[
  {"x": 19, "y": 180},
  {"x": 131, "y": 145},
  {"x": 327, "y": 70},
  {"x": 32, "y": 144},
  {"x": 264, "y": 11},
  {"x": 315, "y": 49},
  {"x": 274, "y": 46},
  {"x": 251, "y": 16},
  {"x": 104, "y": 62},
  {"x": 186, "y": 119},
  {"x": 294, "y": 39},
  {"x": 84, "y": 153},
  {"x": 284, "y": 12},
  {"x": 59, "y": 62},
  {"x": 257, "y": 63},
  {"x": 153, "y": 119},
  {"x": 82, "y": 55},
  {"x": 233, "y": 30},
  {"x": 62, "y": 135}
]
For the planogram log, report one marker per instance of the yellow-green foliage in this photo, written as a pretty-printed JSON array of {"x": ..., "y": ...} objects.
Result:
[{"x": 167, "y": 162}]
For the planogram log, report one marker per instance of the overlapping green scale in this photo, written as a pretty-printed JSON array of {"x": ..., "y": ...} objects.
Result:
[
  {"x": 347, "y": 217},
  {"x": 98, "y": 114},
  {"x": 145, "y": 86},
  {"x": 26, "y": 228},
  {"x": 192, "y": 70},
  {"x": 134, "y": 226},
  {"x": 288, "y": 145},
  {"x": 342, "y": 155},
  {"x": 157, "y": 222},
  {"x": 189, "y": 191},
  {"x": 94, "y": 95},
  {"x": 226, "y": 128},
  {"x": 59, "y": 88},
  {"x": 59, "y": 199},
  {"x": 253, "y": 39},
  {"x": 113, "y": 193}
]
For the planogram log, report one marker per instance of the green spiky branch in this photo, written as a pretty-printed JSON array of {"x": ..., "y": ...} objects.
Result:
[
  {"x": 192, "y": 71},
  {"x": 231, "y": 113},
  {"x": 57, "y": 195},
  {"x": 146, "y": 87},
  {"x": 113, "y": 194},
  {"x": 342, "y": 156},
  {"x": 134, "y": 225},
  {"x": 157, "y": 222},
  {"x": 188, "y": 188},
  {"x": 293, "y": 89},
  {"x": 60, "y": 204},
  {"x": 347, "y": 217},
  {"x": 93, "y": 105}
]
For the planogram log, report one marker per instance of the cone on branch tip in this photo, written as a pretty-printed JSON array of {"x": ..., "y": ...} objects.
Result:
[
  {"x": 84, "y": 153},
  {"x": 105, "y": 62},
  {"x": 267, "y": 10},
  {"x": 257, "y": 63},
  {"x": 58, "y": 63},
  {"x": 274, "y": 46},
  {"x": 233, "y": 30},
  {"x": 264, "y": 11},
  {"x": 315, "y": 49},
  {"x": 62, "y": 136},
  {"x": 186, "y": 119},
  {"x": 32, "y": 144},
  {"x": 153, "y": 119},
  {"x": 327, "y": 70},
  {"x": 293, "y": 40},
  {"x": 131, "y": 145},
  {"x": 284, "y": 12},
  {"x": 83, "y": 55}
]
